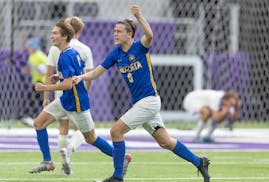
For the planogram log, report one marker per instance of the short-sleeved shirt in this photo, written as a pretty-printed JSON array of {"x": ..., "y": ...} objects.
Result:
[
  {"x": 36, "y": 59},
  {"x": 136, "y": 68},
  {"x": 69, "y": 65}
]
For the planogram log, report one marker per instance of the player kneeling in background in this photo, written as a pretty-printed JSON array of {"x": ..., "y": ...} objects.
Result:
[{"x": 212, "y": 105}]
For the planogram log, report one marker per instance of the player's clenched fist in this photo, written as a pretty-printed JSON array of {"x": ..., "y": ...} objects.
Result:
[
  {"x": 135, "y": 10},
  {"x": 39, "y": 87},
  {"x": 76, "y": 79}
]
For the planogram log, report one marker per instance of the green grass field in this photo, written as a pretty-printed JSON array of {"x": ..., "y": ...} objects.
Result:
[{"x": 145, "y": 166}]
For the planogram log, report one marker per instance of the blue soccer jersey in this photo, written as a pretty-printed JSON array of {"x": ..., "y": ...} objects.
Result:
[
  {"x": 70, "y": 64},
  {"x": 136, "y": 69}
]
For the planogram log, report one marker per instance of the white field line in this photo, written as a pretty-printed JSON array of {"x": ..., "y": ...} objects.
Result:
[{"x": 243, "y": 135}]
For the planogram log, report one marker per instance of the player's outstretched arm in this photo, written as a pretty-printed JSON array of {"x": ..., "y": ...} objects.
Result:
[
  {"x": 146, "y": 39},
  {"x": 88, "y": 83},
  {"x": 66, "y": 84},
  {"x": 92, "y": 75}
]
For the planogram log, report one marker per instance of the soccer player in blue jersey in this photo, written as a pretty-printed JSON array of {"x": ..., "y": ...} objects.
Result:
[
  {"x": 77, "y": 138},
  {"x": 74, "y": 101},
  {"x": 133, "y": 62}
]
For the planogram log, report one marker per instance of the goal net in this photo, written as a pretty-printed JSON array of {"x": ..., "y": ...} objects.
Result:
[{"x": 198, "y": 44}]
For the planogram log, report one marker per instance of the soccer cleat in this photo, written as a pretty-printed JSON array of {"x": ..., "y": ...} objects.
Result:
[
  {"x": 65, "y": 157},
  {"x": 112, "y": 179},
  {"x": 43, "y": 166},
  {"x": 203, "y": 168},
  {"x": 127, "y": 160}
]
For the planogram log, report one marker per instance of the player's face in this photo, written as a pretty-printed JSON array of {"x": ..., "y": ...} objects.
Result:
[
  {"x": 232, "y": 101},
  {"x": 229, "y": 102},
  {"x": 56, "y": 37},
  {"x": 121, "y": 36}
]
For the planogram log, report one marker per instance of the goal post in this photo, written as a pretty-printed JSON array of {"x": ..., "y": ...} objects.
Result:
[{"x": 195, "y": 80}]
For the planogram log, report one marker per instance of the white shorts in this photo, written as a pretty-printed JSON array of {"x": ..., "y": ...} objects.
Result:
[
  {"x": 145, "y": 112},
  {"x": 83, "y": 119},
  {"x": 58, "y": 94}
]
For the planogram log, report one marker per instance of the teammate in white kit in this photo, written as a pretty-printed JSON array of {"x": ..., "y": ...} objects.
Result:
[{"x": 211, "y": 105}]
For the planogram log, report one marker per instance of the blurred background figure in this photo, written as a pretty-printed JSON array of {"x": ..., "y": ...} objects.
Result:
[
  {"x": 36, "y": 68},
  {"x": 213, "y": 106}
]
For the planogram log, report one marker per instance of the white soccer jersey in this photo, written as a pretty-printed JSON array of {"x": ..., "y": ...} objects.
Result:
[
  {"x": 198, "y": 98},
  {"x": 83, "y": 50}
]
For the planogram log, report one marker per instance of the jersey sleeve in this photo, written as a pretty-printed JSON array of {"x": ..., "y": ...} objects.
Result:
[
  {"x": 53, "y": 56},
  {"x": 110, "y": 60},
  {"x": 89, "y": 59},
  {"x": 142, "y": 48},
  {"x": 65, "y": 66}
]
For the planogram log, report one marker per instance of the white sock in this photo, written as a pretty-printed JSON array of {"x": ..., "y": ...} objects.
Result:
[
  {"x": 199, "y": 129},
  {"x": 211, "y": 129},
  {"x": 76, "y": 140},
  {"x": 62, "y": 141}
]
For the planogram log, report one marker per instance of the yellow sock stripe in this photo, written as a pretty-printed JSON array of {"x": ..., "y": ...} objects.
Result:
[
  {"x": 76, "y": 99},
  {"x": 151, "y": 75}
]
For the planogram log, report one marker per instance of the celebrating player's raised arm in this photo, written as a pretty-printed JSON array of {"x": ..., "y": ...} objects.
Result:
[{"x": 148, "y": 34}]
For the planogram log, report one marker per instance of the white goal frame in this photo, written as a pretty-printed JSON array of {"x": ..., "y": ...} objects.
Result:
[{"x": 181, "y": 60}]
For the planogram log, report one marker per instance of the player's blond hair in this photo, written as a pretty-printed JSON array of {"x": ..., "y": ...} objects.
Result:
[
  {"x": 230, "y": 94},
  {"x": 65, "y": 29},
  {"x": 76, "y": 23}
]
